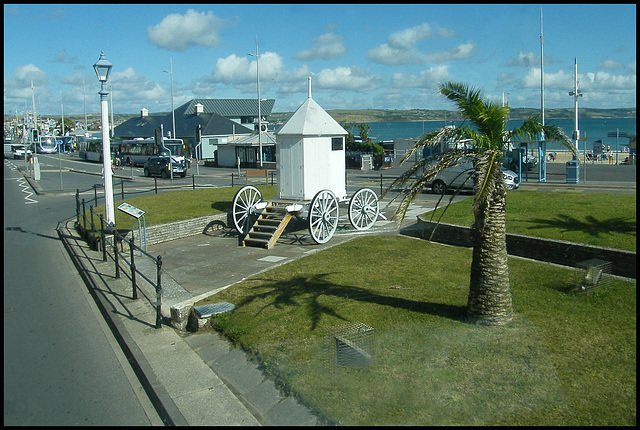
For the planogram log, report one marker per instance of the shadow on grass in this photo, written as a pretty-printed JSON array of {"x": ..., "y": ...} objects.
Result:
[
  {"x": 221, "y": 206},
  {"x": 308, "y": 290},
  {"x": 589, "y": 225}
]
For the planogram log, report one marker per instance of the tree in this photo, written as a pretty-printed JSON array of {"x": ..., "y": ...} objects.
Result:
[
  {"x": 364, "y": 143},
  {"x": 489, "y": 300},
  {"x": 69, "y": 125}
]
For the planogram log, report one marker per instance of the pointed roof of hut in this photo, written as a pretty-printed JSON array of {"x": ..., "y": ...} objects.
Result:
[{"x": 311, "y": 120}]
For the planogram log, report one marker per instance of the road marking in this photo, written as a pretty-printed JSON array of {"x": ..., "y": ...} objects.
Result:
[{"x": 27, "y": 190}]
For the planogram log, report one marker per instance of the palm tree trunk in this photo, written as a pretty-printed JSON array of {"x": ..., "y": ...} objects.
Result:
[{"x": 489, "y": 300}]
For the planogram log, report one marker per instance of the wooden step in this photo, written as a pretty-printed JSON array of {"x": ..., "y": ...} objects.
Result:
[{"x": 267, "y": 229}]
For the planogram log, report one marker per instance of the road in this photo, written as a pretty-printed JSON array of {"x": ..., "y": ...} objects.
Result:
[{"x": 62, "y": 365}]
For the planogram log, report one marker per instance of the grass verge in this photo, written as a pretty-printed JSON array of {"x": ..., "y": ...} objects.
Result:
[
  {"x": 568, "y": 358},
  {"x": 600, "y": 219},
  {"x": 182, "y": 204}
]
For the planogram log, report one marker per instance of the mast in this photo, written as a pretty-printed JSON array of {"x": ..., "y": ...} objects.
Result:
[
  {"x": 576, "y": 93},
  {"x": 541, "y": 72}
]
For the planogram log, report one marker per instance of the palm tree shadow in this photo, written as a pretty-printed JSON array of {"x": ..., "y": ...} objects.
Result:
[
  {"x": 307, "y": 291},
  {"x": 589, "y": 225}
]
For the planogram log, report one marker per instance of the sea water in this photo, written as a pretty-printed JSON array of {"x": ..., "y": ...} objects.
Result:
[{"x": 591, "y": 129}]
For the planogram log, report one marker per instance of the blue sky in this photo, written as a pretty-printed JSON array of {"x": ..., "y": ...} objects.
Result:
[{"x": 359, "y": 56}]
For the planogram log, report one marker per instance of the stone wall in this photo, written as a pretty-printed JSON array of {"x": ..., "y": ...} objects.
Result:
[
  {"x": 176, "y": 230},
  {"x": 623, "y": 263}
]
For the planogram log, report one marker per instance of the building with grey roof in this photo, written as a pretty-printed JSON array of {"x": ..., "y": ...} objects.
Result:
[{"x": 221, "y": 122}]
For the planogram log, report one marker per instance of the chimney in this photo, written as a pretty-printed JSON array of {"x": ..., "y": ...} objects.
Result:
[
  {"x": 144, "y": 113},
  {"x": 199, "y": 108}
]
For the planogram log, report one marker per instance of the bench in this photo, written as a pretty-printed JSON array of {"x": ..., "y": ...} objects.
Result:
[{"x": 257, "y": 173}]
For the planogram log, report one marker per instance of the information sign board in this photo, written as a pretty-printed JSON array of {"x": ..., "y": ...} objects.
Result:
[{"x": 131, "y": 210}]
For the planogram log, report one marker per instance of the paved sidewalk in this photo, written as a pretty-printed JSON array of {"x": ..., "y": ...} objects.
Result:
[{"x": 197, "y": 379}]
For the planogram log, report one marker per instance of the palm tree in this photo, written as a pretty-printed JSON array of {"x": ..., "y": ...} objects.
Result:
[{"x": 489, "y": 299}]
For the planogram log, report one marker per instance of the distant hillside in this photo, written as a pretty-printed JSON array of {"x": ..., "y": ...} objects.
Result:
[
  {"x": 389, "y": 115},
  {"x": 392, "y": 115}
]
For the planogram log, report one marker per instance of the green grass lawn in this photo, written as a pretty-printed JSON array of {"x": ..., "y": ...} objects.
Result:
[
  {"x": 568, "y": 358},
  {"x": 592, "y": 218},
  {"x": 600, "y": 219},
  {"x": 183, "y": 204}
]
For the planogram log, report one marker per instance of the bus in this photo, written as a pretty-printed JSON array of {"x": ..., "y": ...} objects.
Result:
[
  {"x": 137, "y": 151},
  {"x": 47, "y": 145},
  {"x": 90, "y": 148},
  {"x": 133, "y": 152}
]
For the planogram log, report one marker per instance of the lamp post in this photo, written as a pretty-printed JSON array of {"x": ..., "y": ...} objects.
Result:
[
  {"x": 173, "y": 112},
  {"x": 34, "y": 158},
  {"x": 84, "y": 96},
  {"x": 576, "y": 93},
  {"x": 259, "y": 113},
  {"x": 112, "y": 124},
  {"x": 103, "y": 68}
]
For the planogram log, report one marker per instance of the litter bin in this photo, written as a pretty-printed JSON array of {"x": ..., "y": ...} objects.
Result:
[{"x": 573, "y": 172}]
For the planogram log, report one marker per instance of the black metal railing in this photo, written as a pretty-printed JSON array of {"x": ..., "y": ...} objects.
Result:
[{"x": 109, "y": 240}]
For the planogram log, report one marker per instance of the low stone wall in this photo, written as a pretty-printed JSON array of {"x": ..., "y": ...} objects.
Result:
[
  {"x": 623, "y": 263},
  {"x": 177, "y": 230}
]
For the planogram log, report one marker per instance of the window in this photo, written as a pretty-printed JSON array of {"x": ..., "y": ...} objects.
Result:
[{"x": 337, "y": 143}]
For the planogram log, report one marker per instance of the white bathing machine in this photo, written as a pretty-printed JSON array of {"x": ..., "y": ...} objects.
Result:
[{"x": 310, "y": 154}]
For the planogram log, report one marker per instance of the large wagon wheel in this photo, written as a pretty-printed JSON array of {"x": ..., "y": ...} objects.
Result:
[
  {"x": 363, "y": 209},
  {"x": 323, "y": 216},
  {"x": 244, "y": 208}
]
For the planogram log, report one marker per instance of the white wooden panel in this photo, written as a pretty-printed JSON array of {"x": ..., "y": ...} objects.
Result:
[{"x": 290, "y": 177}]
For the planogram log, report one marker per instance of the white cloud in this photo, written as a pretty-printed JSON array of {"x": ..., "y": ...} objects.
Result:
[
  {"x": 347, "y": 79},
  {"x": 603, "y": 81},
  {"x": 610, "y": 65},
  {"x": 400, "y": 54},
  {"x": 400, "y": 47},
  {"x": 599, "y": 81},
  {"x": 234, "y": 70},
  {"x": 17, "y": 88},
  {"x": 426, "y": 78},
  {"x": 294, "y": 82},
  {"x": 179, "y": 32},
  {"x": 325, "y": 47},
  {"x": 460, "y": 52},
  {"x": 527, "y": 59},
  {"x": 23, "y": 76},
  {"x": 390, "y": 56},
  {"x": 558, "y": 80},
  {"x": 406, "y": 39}
]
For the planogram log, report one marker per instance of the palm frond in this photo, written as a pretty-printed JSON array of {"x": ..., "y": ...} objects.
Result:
[
  {"x": 555, "y": 134},
  {"x": 490, "y": 118}
]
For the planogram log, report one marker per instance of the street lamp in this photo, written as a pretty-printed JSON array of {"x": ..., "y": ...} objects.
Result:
[
  {"x": 259, "y": 114},
  {"x": 576, "y": 93},
  {"x": 112, "y": 124},
  {"x": 103, "y": 68},
  {"x": 173, "y": 112}
]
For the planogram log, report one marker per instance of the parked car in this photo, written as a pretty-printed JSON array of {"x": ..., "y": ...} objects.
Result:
[
  {"x": 18, "y": 151},
  {"x": 456, "y": 176},
  {"x": 159, "y": 166}
]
